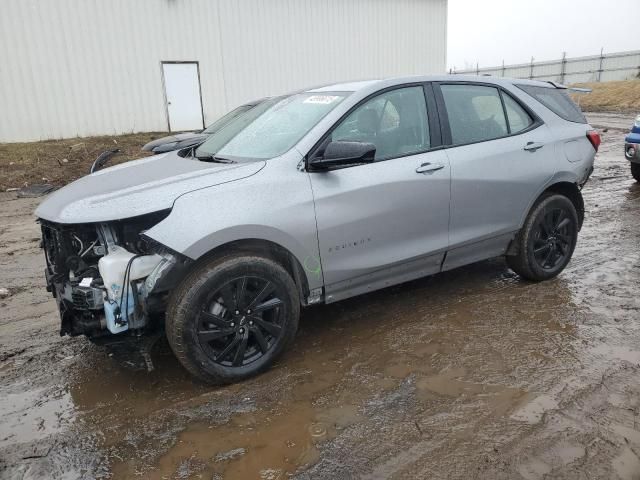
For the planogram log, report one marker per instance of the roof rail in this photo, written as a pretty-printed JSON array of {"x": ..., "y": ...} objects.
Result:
[{"x": 580, "y": 90}]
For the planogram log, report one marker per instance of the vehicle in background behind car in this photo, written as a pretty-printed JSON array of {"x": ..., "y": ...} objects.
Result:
[
  {"x": 632, "y": 149},
  {"x": 189, "y": 139}
]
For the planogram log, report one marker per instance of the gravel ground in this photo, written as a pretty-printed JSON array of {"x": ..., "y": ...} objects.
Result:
[{"x": 468, "y": 374}]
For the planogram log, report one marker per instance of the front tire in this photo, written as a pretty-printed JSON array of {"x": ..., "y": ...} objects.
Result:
[
  {"x": 635, "y": 171},
  {"x": 232, "y": 317},
  {"x": 547, "y": 240}
]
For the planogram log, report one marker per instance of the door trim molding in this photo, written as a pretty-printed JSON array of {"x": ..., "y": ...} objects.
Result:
[
  {"x": 478, "y": 250},
  {"x": 386, "y": 276}
]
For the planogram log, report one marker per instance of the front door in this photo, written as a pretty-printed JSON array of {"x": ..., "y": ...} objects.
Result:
[
  {"x": 384, "y": 222},
  {"x": 182, "y": 93}
]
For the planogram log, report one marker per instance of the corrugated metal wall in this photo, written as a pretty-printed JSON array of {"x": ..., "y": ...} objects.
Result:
[
  {"x": 88, "y": 67},
  {"x": 596, "y": 68}
]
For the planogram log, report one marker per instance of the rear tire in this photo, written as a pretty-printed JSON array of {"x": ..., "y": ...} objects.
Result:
[
  {"x": 232, "y": 317},
  {"x": 547, "y": 240},
  {"x": 635, "y": 171}
]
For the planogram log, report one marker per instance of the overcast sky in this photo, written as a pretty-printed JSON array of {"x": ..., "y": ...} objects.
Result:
[{"x": 488, "y": 31}]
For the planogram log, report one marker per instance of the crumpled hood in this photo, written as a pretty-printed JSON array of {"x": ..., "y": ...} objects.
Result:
[{"x": 137, "y": 187}]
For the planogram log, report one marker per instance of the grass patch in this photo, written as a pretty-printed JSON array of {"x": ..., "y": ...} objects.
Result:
[
  {"x": 622, "y": 96},
  {"x": 61, "y": 161}
]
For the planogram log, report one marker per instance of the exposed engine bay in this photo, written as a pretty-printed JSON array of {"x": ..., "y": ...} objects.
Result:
[{"x": 108, "y": 278}]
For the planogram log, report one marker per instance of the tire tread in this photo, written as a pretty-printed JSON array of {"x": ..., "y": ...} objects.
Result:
[
  {"x": 520, "y": 262},
  {"x": 177, "y": 314}
]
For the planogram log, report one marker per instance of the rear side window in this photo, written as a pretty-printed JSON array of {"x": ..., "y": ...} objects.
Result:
[
  {"x": 475, "y": 113},
  {"x": 556, "y": 100},
  {"x": 519, "y": 119}
]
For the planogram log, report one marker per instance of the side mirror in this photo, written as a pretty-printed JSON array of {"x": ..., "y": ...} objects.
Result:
[{"x": 343, "y": 154}]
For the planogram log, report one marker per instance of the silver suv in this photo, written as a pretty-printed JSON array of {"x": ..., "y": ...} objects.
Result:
[{"x": 328, "y": 193}]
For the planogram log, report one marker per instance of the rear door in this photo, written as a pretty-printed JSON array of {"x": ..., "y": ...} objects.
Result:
[
  {"x": 384, "y": 222},
  {"x": 500, "y": 155}
]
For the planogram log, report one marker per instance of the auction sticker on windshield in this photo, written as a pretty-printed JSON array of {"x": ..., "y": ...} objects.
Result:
[{"x": 322, "y": 99}]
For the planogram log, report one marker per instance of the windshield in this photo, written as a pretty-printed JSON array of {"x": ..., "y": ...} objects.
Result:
[
  {"x": 271, "y": 128},
  {"x": 222, "y": 135},
  {"x": 222, "y": 121}
]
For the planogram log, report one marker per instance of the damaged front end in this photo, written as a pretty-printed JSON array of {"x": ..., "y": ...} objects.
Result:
[{"x": 109, "y": 280}]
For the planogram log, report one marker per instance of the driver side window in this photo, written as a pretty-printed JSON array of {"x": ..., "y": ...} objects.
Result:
[{"x": 394, "y": 121}]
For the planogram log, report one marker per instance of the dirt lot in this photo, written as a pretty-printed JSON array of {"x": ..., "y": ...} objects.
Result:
[
  {"x": 468, "y": 374},
  {"x": 60, "y": 161}
]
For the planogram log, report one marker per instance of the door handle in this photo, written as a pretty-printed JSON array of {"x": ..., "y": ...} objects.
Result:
[
  {"x": 533, "y": 146},
  {"x": 429, "y": 167}
]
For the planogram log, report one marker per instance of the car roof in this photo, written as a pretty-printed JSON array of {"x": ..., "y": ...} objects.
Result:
[
  {"x": 355, "y": 86},
  {"x": 344, "y": 86}
]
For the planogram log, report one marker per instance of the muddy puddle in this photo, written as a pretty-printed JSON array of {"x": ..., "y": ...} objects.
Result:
[
  {"x": 26, "y": 417},
  {"x": 468, "y": 374}
]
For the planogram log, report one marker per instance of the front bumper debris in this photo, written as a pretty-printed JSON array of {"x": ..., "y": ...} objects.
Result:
[{"x": 102, "y": 289}]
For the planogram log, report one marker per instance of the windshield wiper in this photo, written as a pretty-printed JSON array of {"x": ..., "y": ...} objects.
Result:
[{"x": 214, "y": 158}]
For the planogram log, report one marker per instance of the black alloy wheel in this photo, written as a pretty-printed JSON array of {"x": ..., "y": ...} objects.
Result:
[
  {"x": 552, "y": 238},
  {"x": 544, "y": 245},
  {"x": 242, "y": 321},
  {"x": 232, "y": 316}
]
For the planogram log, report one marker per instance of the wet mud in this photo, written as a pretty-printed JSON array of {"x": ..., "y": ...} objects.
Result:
[{"x": 473, "y": 373}]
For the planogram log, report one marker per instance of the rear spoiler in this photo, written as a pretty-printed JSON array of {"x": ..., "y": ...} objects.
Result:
[{"x": 573, "y": 89}]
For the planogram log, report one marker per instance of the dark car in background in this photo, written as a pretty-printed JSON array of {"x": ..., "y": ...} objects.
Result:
[
  {"x": 189, "y": 139},
  {"x": 632, "y": 149}
]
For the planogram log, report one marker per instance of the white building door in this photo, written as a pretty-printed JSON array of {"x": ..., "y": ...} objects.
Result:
[{"x": 182, "y": 92}]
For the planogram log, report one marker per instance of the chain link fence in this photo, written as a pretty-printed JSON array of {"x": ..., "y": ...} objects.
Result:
[{"x": 605, "y": 67}]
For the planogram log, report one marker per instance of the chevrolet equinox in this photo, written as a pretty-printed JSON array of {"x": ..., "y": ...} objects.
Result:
[{"x": 326, "y": 194}]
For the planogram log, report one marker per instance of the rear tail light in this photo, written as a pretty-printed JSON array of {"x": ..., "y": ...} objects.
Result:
[{"x": 594, "y": 138}]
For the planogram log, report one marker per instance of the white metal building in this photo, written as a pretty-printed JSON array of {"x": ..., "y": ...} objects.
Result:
[{"x": 89, "y": 67}]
